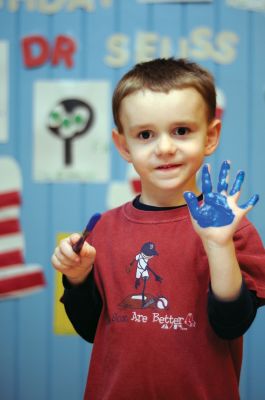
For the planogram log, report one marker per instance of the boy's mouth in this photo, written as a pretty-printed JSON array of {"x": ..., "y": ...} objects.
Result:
[{"x": 168, "y": 166}]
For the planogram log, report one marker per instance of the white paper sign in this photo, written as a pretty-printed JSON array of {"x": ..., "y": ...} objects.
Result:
[
  {"x": 253, "y": 5},
  {"x": 72, "y": 130},
  {"x": 174, "y": 1},
  {"x": 119, "y": 192},
  {"x": 3, "y": 91}
]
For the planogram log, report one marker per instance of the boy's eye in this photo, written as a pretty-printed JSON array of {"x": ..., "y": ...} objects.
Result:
[
  {"x": 144, "y": 135},
  {"x": 181, "y": 131}
]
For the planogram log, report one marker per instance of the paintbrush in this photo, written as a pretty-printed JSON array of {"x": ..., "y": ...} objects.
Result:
[{"x": 90, "y": 225}]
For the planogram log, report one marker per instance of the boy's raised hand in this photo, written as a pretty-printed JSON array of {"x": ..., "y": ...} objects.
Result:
[
  {"x": 217, "y": 218},
  {"x": 75, "y": 267}
]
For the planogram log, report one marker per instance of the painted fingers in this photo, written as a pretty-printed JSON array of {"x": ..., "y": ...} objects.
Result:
[{"x": 219, "y": 208}]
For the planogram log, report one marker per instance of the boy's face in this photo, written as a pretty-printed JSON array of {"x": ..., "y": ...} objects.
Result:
[{"x": 166, "y": 136}]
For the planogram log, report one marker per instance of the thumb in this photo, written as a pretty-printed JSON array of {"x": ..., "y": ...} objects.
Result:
[
  {"x": 73, "y": 238},
  {"x": 192, "y": 203},
  {"x": 250, "y": 203},
  {"x": 88, "y": 251},
  {"x": 81, "y": 246}
]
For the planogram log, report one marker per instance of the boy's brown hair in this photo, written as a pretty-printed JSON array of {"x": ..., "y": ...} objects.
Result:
[{"x": 163, "y": 75}]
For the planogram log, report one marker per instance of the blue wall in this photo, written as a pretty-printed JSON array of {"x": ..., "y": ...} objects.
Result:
[{"x": 34, "y": 362}]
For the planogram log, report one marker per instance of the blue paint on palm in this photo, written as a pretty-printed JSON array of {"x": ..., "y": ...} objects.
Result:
[{"x": 215, "y": 211}]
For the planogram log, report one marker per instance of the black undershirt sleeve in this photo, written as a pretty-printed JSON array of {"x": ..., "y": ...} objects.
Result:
[
  {"x": 83, "y": 306},
  {"x": 231, "y": 319}
]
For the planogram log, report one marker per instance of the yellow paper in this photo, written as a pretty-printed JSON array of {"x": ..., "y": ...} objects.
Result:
[{"x": 61, "y": 323}]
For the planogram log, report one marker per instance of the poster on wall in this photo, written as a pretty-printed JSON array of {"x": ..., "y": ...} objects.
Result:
[
  {"x": 220, "y": 103},
  {"x": 61, "y": 323},
  {"x": 16, "y": 277},
  {"x": 121, "y": 191},
  {"x": 71, "y": 130},
  {"x": 3, "y": 91},
  {"x": 251, "y": 5},
  {"x": 175, "y": 1}
]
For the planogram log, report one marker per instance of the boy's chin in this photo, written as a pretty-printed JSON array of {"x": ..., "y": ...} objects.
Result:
[{"x": 171, "y": 185}]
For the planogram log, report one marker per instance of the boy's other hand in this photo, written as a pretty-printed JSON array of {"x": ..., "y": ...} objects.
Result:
[
  {"x": 217, "y": 218},
  {"x": 75, "y": 267}
]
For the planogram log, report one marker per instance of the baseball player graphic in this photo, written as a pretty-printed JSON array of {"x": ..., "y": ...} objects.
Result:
[{"x": 143, "y": 268}]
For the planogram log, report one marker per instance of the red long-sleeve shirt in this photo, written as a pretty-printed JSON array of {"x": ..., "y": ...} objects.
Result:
[{"x": 153, "y": 339}]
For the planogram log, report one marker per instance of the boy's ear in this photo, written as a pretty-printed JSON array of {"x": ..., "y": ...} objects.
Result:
[
  {"x": 121, "y": 145},
  {"x": 213, "y": 136}
]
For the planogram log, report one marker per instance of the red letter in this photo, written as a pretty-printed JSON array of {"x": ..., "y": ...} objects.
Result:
[
  {"x": 32, "y": 60},
  {"x": 63, "y": 50}
]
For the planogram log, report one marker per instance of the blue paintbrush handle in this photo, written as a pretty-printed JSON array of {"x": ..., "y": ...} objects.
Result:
[{"x": 90, "y": 226}]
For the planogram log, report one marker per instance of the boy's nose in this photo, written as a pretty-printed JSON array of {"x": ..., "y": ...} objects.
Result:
[{"x": 165, "y": 145}]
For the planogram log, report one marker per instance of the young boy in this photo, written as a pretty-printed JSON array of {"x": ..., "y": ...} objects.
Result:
[{"x": 167, "y": 293}]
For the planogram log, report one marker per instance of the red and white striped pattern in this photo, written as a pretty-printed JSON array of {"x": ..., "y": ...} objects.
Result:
[
  {"x": 16, "y": 278},
  {"x": 11, "y": 238},
  {"x": 21, "y": 280}
]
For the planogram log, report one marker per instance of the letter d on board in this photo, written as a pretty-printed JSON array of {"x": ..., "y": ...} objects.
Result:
[{"x": 35, "y": 51}]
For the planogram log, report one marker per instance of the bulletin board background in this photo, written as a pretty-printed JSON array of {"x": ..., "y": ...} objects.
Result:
[{"x": 50, "y": 51}]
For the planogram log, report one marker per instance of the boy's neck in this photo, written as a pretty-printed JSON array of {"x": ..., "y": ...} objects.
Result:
[
  {"x": 165, "y": 199},
  {"x": 145, "y": 207}
]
